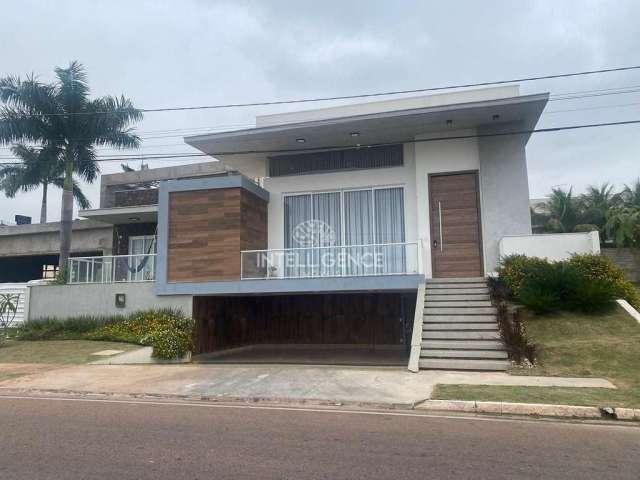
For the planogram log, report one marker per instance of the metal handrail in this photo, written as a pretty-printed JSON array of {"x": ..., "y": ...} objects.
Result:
[{"x": 104, "y": 269}]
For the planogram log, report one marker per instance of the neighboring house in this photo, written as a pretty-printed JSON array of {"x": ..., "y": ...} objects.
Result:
[{"x": 317, "y": 227}]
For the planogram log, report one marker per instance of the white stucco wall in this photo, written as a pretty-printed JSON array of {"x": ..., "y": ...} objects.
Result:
[
  {"x": 504, "y": 188},
  {"x": 61, "y": 301},
  {"x": 403, "y": 176},
  {"x": 559, "y": 246},
  {"x": 439, "y": 157},
  {"x": 420, "y": 160}
]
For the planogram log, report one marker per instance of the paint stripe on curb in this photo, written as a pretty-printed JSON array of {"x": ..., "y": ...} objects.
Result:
[{"x": 543, "y": 410}]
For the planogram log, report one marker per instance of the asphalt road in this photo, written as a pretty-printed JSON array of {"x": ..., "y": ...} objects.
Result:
[{"x": 72, "y": 439}]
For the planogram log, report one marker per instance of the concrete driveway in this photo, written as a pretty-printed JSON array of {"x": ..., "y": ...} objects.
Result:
[{"x": 367, "y": 385}]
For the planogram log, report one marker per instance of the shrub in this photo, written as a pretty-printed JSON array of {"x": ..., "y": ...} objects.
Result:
[
  {"x": 72, "y": 328},
  {"x": 515, "y": 268},
  {"x": 514, "y": 335},
  {"x": 587, "y": 283},
  {"x": 169, "y": 332},
  {"x": 599, "y": 267},
  {"x": 590, "y": 295}
]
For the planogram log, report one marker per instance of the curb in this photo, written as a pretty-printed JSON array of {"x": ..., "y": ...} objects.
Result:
[
  {"x": 273, "y": 401},
  {"x": 531, "y": 409},
  {"x": 451, "y": 406}
]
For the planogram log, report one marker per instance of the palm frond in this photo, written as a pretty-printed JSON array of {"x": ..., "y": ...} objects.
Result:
[{"x": 72, "y": 90}]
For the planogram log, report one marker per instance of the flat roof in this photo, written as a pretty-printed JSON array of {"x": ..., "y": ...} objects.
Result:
[
  {"x": 244, "y": 147},
  {"x": 121, "y": 215}
]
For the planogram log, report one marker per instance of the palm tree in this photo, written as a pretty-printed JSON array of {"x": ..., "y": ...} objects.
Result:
[
  {"x": 597, "y": 202},
  {"x": 631, "y": 194},
  {"x": 62, "y": 115},
  {"x": 39, "y": 167},
  {"x": 563, "y": 210}
]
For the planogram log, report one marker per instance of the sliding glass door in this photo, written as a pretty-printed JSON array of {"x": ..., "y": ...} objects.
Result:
[{"x": 344, "y": 233}]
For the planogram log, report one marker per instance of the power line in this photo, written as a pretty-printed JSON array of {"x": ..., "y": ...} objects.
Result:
[
  {"x": 556, "y": 97},
  {"x": 357, "y": 147},
  {"x": 361, "y": 95}
]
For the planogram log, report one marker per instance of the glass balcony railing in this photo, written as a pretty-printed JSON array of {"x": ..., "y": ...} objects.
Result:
[
  {"x": 112, "y": 269},
  {"x": 334, "y": 261}
]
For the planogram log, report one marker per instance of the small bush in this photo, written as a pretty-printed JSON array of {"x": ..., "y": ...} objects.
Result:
[
  {"x": 515, "y": 268},
  {"x": 590, "y": 296},
  {"x": 586, "y": 283},
  {"x": 72, "y": 328},
  {"x": 514, "y": 335},
  {"x": 599, "y": 267},
  {"x": 168, "y": 331}
]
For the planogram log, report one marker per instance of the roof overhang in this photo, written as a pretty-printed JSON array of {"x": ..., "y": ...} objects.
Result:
[
  {"x": 242, "y": 148},
  {"x": 123, "y": 215}
]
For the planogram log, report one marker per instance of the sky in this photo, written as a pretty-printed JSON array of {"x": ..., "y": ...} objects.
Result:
[{"x": 195, "y": 52}]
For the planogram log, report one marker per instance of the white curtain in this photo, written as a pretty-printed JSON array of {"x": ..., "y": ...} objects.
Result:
[
  {"x": 297, "y": 211},
  {"x": 359, "y": 230},
  {"x": 389, "y": 225},
  {"x": 371, "y": 216}
]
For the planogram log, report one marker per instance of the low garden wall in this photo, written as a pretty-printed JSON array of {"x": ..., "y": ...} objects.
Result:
[
  {"x": 627, "y": 259},
  {"x": 63, "y": 301},
  {"x": 554, "y": 247}
]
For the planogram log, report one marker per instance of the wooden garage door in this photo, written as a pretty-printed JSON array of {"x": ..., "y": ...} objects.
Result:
[{"x": 456, "y": 240}]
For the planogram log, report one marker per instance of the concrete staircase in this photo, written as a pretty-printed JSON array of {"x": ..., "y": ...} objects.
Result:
[{"x": 459, "y": 327}]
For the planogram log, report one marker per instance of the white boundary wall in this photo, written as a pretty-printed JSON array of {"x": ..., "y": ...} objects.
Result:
[
  {"x": 62, "y": 301},
  {"x": 16, "y": 288},
  {"x": 556, "y": 246}
]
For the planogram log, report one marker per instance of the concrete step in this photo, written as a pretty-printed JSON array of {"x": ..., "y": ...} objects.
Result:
[
  {"x": 462, "y": 344},
  {"x": 439, "y": 310},
  {"x": 459, "y": 326},
  {"x": 482, "y": 280},
  {"x": 460, "y": 335},
  {"x": 461, "y": 364},
  {"x": 486, "y": 354},
  {"x": 448, "y": 290},
  {"x": 458, "y": 303},
  {"x": 468, "y": 297},
  {"x": 457, "y": 318}
]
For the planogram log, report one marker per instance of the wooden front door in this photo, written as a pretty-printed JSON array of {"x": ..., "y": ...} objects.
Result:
[{"x": 456, "y": 239}]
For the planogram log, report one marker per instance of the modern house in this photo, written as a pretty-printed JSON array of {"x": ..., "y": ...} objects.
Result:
[{"x": 322, "y": 227}]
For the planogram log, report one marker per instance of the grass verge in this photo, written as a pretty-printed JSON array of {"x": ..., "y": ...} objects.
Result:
[
  {"x": 61, "y": 352},
  {"x": 572, "y": 345}
]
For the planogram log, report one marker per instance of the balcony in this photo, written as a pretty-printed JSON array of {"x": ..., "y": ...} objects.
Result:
[
  {"x": 333, "y": 261},
  {"x": 112, "y": 269}
]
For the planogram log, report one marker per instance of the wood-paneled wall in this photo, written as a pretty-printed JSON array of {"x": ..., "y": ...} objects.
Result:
[
  {"x": 207, "y": 231},
  {"x": 360, "y": 318}
]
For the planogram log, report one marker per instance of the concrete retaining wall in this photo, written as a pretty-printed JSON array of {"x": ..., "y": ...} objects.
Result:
[
  {"x": 61, "y": 301},
  {"x": 556, "y": 246},
  {"x": 627, "y": 259}
]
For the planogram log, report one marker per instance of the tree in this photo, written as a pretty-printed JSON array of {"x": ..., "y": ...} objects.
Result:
[
  {"x": 563, "y": 211},
  {"x": 62, "y": 115},
  {"x": 623, "y": 226},
  {"x": 596, "y": 202},
  {"x": 631, "y": 194},
  {"x": 39, "y": 167}
]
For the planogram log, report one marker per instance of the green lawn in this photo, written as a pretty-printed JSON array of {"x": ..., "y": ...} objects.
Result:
[
  {"x": 577, "y": 346},
  {"x": 61, "y": 352}
]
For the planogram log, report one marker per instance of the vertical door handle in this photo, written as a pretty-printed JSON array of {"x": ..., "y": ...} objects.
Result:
[{"x": 440, "y": 222}]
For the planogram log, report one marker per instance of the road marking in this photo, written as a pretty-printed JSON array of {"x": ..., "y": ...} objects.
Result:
[{"x": 323, "y": 410}]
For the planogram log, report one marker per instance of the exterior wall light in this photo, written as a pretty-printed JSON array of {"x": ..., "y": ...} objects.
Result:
[
  {"x": 355, "y": 134},
  {"x": 300, "y": 140}
]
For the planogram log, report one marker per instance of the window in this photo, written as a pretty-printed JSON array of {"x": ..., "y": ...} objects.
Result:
[
  {"x": 141, "y": 266},
  {"x": 332, "y": 160},
  {"x": 355, "y": 224},
  {"x": 49, "y": 271}
]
